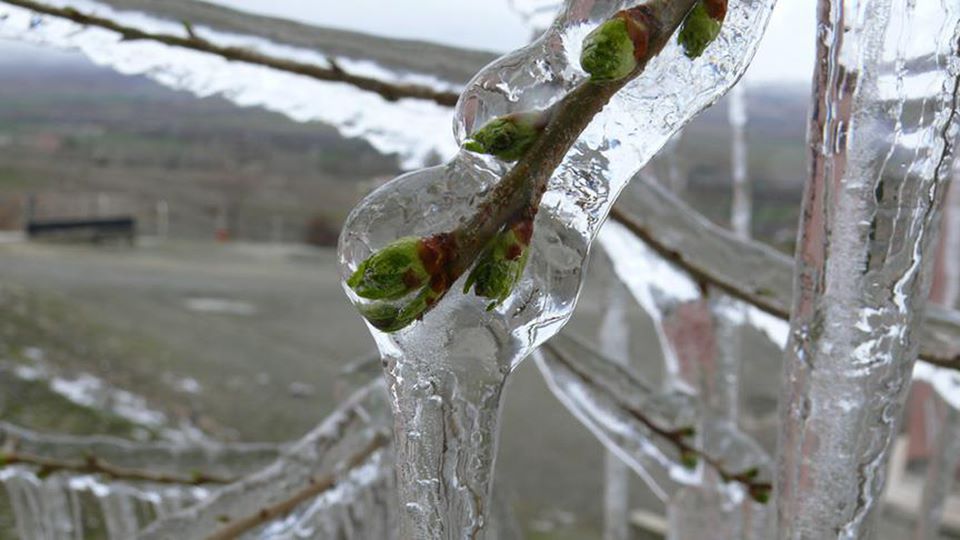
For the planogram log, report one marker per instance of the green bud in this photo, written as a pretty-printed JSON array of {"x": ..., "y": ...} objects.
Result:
[
  {"x": 750, "y": 474},
  {"x": 390, "y": 317},
  {"x": 760, "y": 493},
  {"x": 608, "y": 52},
  {"x": 392, "y": 272},
  {"x": 688, "y": 431},
  {"x": 698, "y": 31},
  {"x": 507, "y": 137},
  {"x": 689, "y": 459},
  {"x": 501, "y": 264}
]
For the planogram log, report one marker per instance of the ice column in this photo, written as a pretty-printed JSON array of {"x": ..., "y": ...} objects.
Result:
[
  {"x": 614, "y": 337},
  {"x": 880, "y": 141}
]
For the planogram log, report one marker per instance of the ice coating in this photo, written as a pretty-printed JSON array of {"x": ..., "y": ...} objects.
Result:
[
  {"x": 536, "y": 14},
  {"x": 413, "y": 129},
  {"x": 605, "y": 398},
  {"x": 712, "y": 509},
  {"x": 446, "y": 372},
  {"x": 882, "y": 138},
  {"x": 945, "y": 453},
  {"x": 711, "y": 370},
  {"x": 320, "y": 452},
  {"x": 614, "y": 337}
]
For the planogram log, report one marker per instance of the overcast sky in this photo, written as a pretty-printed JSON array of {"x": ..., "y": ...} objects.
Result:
[{"x": 785, "y": 56}]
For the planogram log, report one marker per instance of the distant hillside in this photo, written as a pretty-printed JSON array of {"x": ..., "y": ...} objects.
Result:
[{"x": 76, "y": 129}]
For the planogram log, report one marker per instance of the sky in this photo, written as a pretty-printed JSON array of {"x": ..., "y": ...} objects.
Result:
[{"x": 785, "y": 56}]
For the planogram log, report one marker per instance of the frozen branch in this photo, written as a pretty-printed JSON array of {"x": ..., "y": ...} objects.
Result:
[
  {"x": 331, "y": 73},
  {"x": 538, "y": 141},
  {"x": 679, "y": 438},
  {"x": 745, "y": 269},
  {"x": 161, "y": 458},
  {"x": 95, "y": 465},
  {"x": 871, "y": 210},
  {"x": 315, "y": 486},
  {"x": 360, "y": 419}
]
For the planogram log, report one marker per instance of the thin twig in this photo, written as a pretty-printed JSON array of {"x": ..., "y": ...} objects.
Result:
[
  {"x": 523, "y": 186},
  {"x": 677, "y": 437},
  {"x": 334, "y": 73},
  {"x": 315, "y": 486},
  {"x": 94, "y": 465}
]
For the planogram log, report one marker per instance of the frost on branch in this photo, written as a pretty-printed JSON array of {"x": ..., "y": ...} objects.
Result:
[
  {"x": 215, "y": 459},
  {"x": 415, "y": 129},
  {"x": 882, "y": 139},
  {"x": 446, "y": 370},
  {"x": 317, "y": 455}
]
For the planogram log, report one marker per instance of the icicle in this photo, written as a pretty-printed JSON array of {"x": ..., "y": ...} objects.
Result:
[
  {"x": 881, "y": 141},
  {"x": 741, "y": 209},
  {"x": 614, "y": 338},
  {"x": 118, "y": 514}
]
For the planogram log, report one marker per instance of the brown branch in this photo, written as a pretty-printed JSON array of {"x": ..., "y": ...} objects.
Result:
[
  {"x": 334, "y": 73},
  {"x": 677, "y": 437},
  {"x": 745, "y": 269},
  {"x": 315, "y": 486},
  {"x": 94, "y": 465},
  {"x": 524, "y": 184}
]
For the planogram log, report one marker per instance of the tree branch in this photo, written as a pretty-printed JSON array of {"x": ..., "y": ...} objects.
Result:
[
  {"x": 334, "y": 73},
  {"x": 744, "y": 269},
  {"x": 216, "y": 459},
  {"x": 94, "y": 465},
  {"x": 315, "y": 486},
  {"x": 343, "y": 433},
  {"x": 677, "y": 437}
]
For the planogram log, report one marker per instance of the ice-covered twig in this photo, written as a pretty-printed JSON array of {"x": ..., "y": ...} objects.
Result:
[
  {"x": 314, "y": 487},
  {"x": 225, "y": 460},
  {"x": 94, "y": 465},
  {"x": 352, "y": 426},
  {"x": 744, "y": 269},
  {"x": 333, "y": 72},
  {"x": 447, "y": 255},
  {"x": 679, "y": 438}
]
